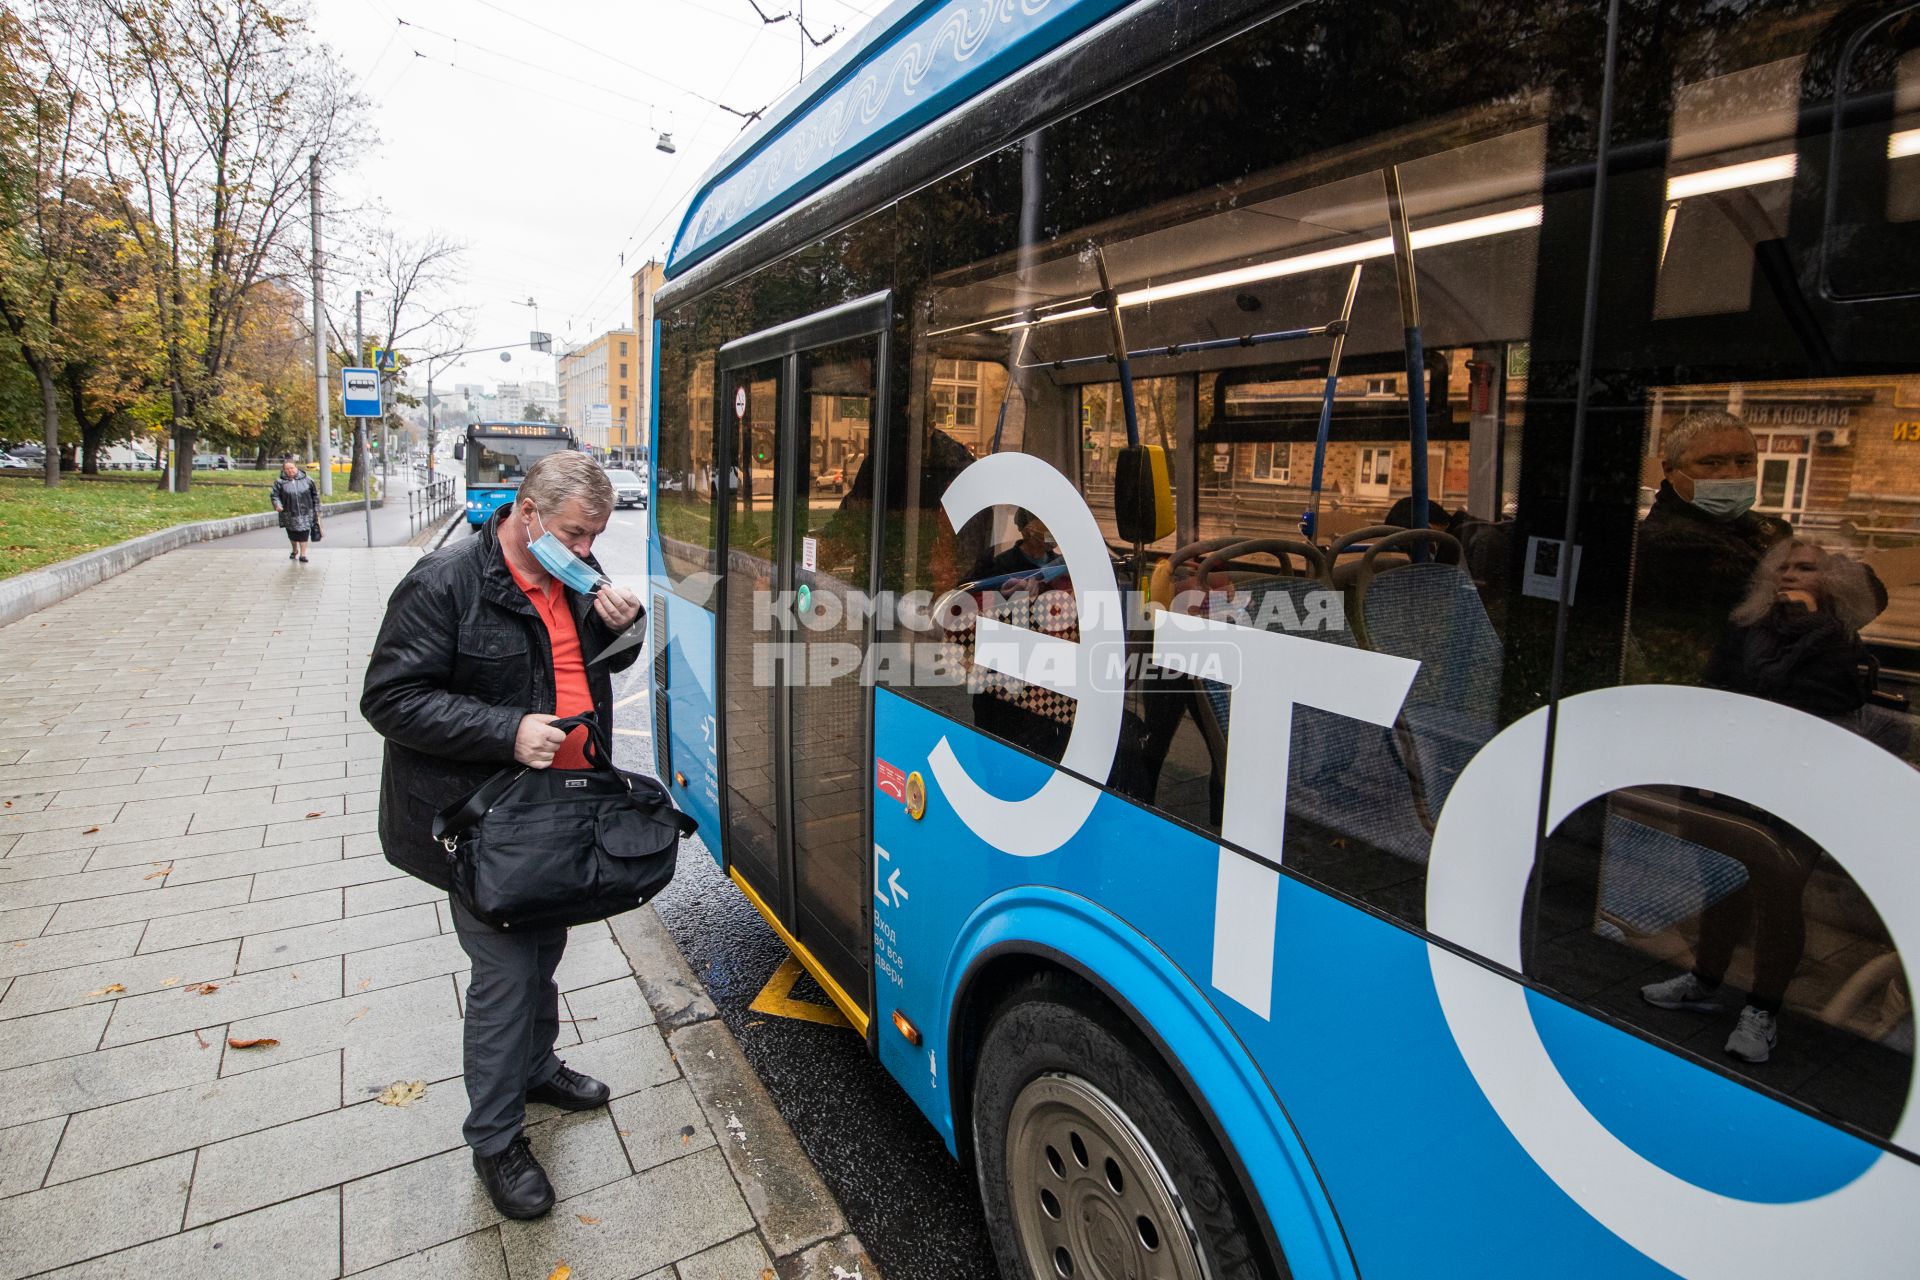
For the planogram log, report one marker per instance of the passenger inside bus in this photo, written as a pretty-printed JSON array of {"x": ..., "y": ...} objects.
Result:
[
  {"x": 1794, "y": 639},
  {"x": 1033, "y": 550}
]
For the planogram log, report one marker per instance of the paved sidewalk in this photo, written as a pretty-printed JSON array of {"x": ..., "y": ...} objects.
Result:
[
  {"x": 345, "y": 529},
  {"x": 188, "y": 862}
]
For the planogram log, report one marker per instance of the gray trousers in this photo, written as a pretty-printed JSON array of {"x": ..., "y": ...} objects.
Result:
[{"x": 513, "y": 1018}]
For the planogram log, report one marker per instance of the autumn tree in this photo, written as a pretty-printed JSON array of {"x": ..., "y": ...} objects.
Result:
[
  {"x": 212, "y": 109},
  {"x": 44, "y": 208},
  {"x": 275, "y": 356}
]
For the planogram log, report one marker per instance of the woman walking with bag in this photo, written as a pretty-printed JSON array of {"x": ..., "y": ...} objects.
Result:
[{"x": 297, "y": 500}]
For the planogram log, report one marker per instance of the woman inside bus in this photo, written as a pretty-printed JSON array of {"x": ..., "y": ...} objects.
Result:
[{"x": 1795, "y": 640}]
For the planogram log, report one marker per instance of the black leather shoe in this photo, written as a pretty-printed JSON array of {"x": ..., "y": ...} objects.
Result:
[
  {"x": 570, "y": 1091},
  {"x": 515, "y": 1182}
]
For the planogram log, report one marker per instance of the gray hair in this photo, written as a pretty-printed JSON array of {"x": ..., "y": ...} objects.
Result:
[
  {"x": 1681, "y": 435},
  {"x": 559, "y": 478},
  {"x": 1842, "y": 587}
]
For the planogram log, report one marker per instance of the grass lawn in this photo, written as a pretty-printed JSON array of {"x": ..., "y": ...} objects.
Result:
[{"x": 39, "y": 526}]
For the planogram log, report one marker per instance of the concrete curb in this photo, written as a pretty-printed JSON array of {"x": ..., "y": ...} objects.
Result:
[
  {"x": 428, "y": 532},
  {"x": 34, "y": 590},
  {"x": 800, "y": 1221}
]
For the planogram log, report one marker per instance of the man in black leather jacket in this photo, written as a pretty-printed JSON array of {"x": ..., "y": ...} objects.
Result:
[{"x": 479, "y": 649}]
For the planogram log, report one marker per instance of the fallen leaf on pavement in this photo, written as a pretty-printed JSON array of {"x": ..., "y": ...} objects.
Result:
[
  {"x": 318, "y": 813},
  {"x": 204, "y": 988},
  {"x": 202, "y": 1039},
  {"x": 361, "y": 1014},
  {"x": 112, "y": 988},
  {"x": 587, "y": 1220},
  {"x": 363, "y": 984},
  {"x": 560, "y": 1272},
  {"x": 402, "y": 1093},
  {"x": 89, "y": 831},
  {"x": 155, "y": 875},
  {"x": 170, "y": 982},
  {"x": 686, "y": 1134},
  {"x": 766, "y": 1273},
  {"x": 259, "y": 1042}
]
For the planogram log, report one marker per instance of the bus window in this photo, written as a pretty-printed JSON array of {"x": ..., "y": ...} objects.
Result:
[
  {"x": 1243, "y": 418},
  {"x": 1750, "y": 532},
  {"x": 503, "y": 461},
  {"x": 683, "y": 461},
  {"x": 1219, "y": 302}
]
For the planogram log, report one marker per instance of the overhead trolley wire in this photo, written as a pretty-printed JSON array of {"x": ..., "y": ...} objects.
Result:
[
  {"x": 622, "y": 62},
  {"x": 672, "y": 204},
  {"x": 556, "y": 72}
]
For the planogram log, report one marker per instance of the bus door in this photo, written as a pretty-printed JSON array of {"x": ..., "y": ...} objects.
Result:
[{"x": 798, "y": 409}]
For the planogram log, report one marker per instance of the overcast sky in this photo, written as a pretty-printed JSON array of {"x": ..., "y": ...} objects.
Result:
[{"x": 526, "y": 129}]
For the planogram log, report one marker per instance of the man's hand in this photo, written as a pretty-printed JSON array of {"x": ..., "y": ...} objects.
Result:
[
  {"x": 537, "y": 740},
  {"x": 617, "y": 607}
]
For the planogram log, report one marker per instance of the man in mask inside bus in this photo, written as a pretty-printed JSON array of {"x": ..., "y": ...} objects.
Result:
[
  {"x": 1698, "y": 546},
  {"x": 1034, "y": 549}
]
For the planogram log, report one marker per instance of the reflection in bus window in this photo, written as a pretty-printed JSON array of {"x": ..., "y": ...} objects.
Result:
[
  {"x": 1729, "y": 177},
  {"x": 683, "y": 456},
  {"x": 1240, "y": 421},
  {"x": 1774, "y": 554}
]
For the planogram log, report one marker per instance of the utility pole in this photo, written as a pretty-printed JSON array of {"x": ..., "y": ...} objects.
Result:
[
  {"x": 321, "y": 389},
  {"x": 360, "y": 459},
  {"x": 432, "y": 438}
]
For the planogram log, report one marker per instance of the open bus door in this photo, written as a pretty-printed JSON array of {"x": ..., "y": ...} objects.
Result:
[{"x": 795, "y": 713}]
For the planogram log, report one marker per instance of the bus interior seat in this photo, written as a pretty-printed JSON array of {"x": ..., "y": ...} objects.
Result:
[
  {"x": 1344, "y": 556},
  {"x": 1429, "y": 611},
  {"x": 1345, "y": 777},
  {"x": 1661, "y": 865},
  {"x": 1667, "y": 856}
]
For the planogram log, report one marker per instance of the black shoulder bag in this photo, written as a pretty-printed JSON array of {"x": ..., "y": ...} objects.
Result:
[{"x": 540, "y": 848}]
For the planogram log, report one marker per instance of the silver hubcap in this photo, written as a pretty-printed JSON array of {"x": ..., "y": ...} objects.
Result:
[{"x": 1091, "y": 1200}]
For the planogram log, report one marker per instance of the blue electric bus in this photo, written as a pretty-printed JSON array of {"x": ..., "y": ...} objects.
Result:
[
  {"x": 1304, "y": 613},
  {"x": 498, "y": 454}
]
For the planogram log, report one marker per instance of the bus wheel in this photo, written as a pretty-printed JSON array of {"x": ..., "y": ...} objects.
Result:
[{"x": 1092, "y": 1165}]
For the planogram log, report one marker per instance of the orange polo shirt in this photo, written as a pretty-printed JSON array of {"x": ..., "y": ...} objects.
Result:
[{"x": 571, "y": 696}]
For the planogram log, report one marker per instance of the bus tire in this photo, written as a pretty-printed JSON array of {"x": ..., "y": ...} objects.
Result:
[{"x": 1092, "y": 1162}]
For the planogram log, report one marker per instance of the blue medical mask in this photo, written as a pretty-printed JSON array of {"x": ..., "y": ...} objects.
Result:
[
  {"x": 557, "y": 559},
  {"x": 1726, "y": 499}
]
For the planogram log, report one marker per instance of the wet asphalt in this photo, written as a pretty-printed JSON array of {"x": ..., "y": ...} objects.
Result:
[{"x": 912, "y": 1205}]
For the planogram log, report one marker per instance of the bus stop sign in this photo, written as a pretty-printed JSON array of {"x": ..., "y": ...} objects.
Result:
[{"x": 360, "y": 392}]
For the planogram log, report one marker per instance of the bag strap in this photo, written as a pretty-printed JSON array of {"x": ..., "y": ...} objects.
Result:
[
  {"x": 599, "y": 751},
  {"x": 459, "y": 817},
  {"x": 682, "y": 822}
]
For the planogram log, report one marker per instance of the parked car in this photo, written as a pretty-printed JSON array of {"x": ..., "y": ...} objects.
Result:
[
  {"x": 212, "y": 462},
  {"x": 14, "y": 462},
  {"x": 629, "y": 490},
  {"x": 127, "y": 457}
]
